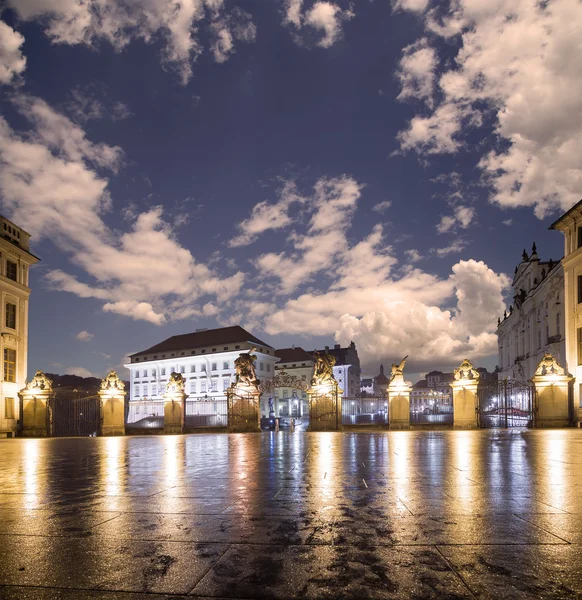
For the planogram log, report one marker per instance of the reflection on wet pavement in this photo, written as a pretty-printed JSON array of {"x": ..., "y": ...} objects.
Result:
[{"x": 487, "y": 514}]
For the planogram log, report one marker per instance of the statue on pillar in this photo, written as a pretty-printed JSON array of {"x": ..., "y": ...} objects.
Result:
[
  {"x": 246, "y": 375},
  {"x": 397, "y": 370},
  {"x": 40, "y": 382},
  {"x": 112, "y": 383},
  {"x": 549, "y": 366},
  {"x": 466, "y": 372},
  {"x": 323, "y": 369},
  {"x": 176, "y": 384}
]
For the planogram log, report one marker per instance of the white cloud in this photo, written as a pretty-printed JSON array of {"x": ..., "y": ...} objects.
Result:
[
  {"x": 453, "y": 248},
  {"x": 120, "y": 22},
  {"x": 382, "y": 207},
  {"x": 411, "y": 5},
  {"x": 79, "y": 371},
  {"x": 463, "y": 217},
  {"x": 324, "y": 17},
  {"x": 85, "y": 336},
  {"x": 12, "y": 61},
  {"x": 265, "y": 216},
  {"x": 417, "y": 71},
  {"x": 516, "y": 62},
  {"x": 507, "y": 222},
  {"x": 48, "y": 185},
  {"x": 413, "y": 255}
]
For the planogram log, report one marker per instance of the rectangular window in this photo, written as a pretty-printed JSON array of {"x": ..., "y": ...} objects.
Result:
[
  {"x": 285, "y": 394},
  {"x": 145, "y": 372},
  {"x": 11, "y": 315},
  {"x": 203, "y": 387},
  {"x": 579, "y": 237},
  {"x": 162, "y": 371},
  {"x": 268, "y": 368},
  {"x": 136, "y": 374},
  {"x": 203, "y": 368},
  {"x": 580, "y": 345},
  {"x": 579, "y": 289},
  {"x": 137, "y": 391},
  {"x": 213, "y": 367},
  {"x": 261, "y": 367},
  {"x": 214, "y": 385},
  {"x": 226, "y": 365},
  {"x": 192, "y": 368},
  {"x": 182, "y": 369},
  {"x": 145, "y": 391},
  {"x": 9, "y": 408},
  {"x": 154, "y": 390},
  {"x": 192, "y": 386},
  {"x": 11, "y": 270},
  {"x": 9, "y": 364},
  {"x": 225, "y": 383}
]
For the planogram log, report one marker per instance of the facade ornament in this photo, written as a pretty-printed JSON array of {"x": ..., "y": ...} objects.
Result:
[
  {"x": 550, "y": 264},
  {"x": 323, "y": 369},
  {"x": 246, "y": 375},
  {"x": 549, "y": 366},
  {"x": 112, "y": 382},
  {"x": 466, "y": 372},
  {"x": 40, "y": 382},
  {"x": 498, "y": 321},
  {"x": 524, "y": 256},
  {"x": 284, "y": 380},
  {"x": 397, "y": 370},
  {"x": 176, "y": 384}
]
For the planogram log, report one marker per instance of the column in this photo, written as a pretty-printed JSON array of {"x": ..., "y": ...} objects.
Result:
[
  {"x": 36, "y": 400},
  {"x": 465, "y": 399},
  {"x": 551, "y": 406},
  {"x": 174, "y": 404},
  {"x": 112, "y": 402},
  {"x": 399, "y": 404}
]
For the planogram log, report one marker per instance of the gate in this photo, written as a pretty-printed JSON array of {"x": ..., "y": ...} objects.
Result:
[
  {"x": 364, "y": 411},
  {"x": 506, "y": 403},
  {"x": 74, "y": 413}
]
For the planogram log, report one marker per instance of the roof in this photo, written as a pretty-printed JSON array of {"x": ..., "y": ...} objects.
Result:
[
  {"x": 575, "y": 209},
  {"x": 381, "y": 379},
  {"x": 419, "y": 384},
  {"x": 290, "y": 355},
  {"x": 201, "y": 339}
]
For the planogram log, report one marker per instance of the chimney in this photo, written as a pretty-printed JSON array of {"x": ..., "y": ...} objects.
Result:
[
  {"x": 336, "y": 346},
  {"x": 326, "y": 348}
]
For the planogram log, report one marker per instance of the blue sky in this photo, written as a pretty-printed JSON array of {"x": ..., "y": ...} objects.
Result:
[{"x": 315, "y": 171}]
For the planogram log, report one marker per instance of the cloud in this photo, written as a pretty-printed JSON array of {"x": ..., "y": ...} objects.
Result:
[
  {"x": 453, "y": 248},
  {"x": 507, "y": 222},
  {"x": 92, "y": 102},
  {"x": 382, "y": 207},
  {"x": 265, "y": 216},
  {"x": 515, "y": 67},
  {"x": 79, "y": 371},
  {"x": 413, "y": 255},
  {"x": 85, "y": 336},
  {"x": 417, "y": 71},
  {"x": 175, "y": 22},
  {"x": 463, "y": 217},
  {"x": 50, "y": 185},
  {"x": 325, "y": 17},
  {"x": 12, "y": 61},
  {"x": 411, "y": 5}
]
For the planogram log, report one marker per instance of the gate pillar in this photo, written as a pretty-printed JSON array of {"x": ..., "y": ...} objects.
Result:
[
  {"x": 174, "y": 405},
  {"x": 398, "y": 398},
  {"x": 324, "y": 396},
  {"x": 551, "y": 408},
  {"x": 244, "y": 397},
  {"x": 465, "y": 399},
  {"x": 112, "y": 405},
  {"x": 36, "y": 410}
]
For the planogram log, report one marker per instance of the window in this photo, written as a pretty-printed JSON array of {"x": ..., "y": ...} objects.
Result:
[
  {"x": 261, "y": 367},
  {"x": 192, "y": 386},
  {"x": 214, "y": 385},
  {"x": 9, "y": 408},
  {"x": 162, "y": 371},
  {"x": 226, "y": 365},
  {"x": 580, "y": 345},
  {"x": 579, "y": 237},
  {"x": 11, "y": 270},
  {"x": 137, "y": 391},
  {"x": 285, "y": 394},
  {"x": 11, "y": 315},
  {"x": 182, "y": 369},
  {"x": 225, "y": 383},
  {"x": 268, "y": 368},
  {"x": 203, "y": 368},
  {"x": 145, "y": 391},
  {"x": 579, "y": 289},
  {"x": 213, "y": 349},
  {"x": 225, "y": 348},
  {"x": 154, "y": 390},
  {"x": 136, "y": 374},
  {"x": 203, "y": 387},
  {"x": 213, "y": 367},
  {"x": 145, "y": 372},
  {"x": 237, "y": 347}
]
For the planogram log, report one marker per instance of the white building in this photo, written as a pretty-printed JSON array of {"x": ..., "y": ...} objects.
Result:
[
  {"x": 206, "y": 360},
  {"x": 571, "y": 225},
  {"x": 534, "y": 323},
  {"x": 15, "y": 261},
  {"x": 290, "y": 401}
]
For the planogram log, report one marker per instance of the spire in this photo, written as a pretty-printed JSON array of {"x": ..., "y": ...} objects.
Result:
[
  {"x": 381, "y": 369},
  {"x": 524, "y": 256},
  {"x": 534, "y": 253}
]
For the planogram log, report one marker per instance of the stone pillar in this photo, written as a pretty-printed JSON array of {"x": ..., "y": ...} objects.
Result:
[
  {"x": 325, "y": 408},
  {"x": 399, "y": 404},
  {"x": 112, "y": 405},
  {"x": 551, "y": 401},
  {"x": 244, "y": 412},
  {"x": 36, "y": 400},
  {"x": 465, "y": 399},
  {"x": 174, "y": 405}
]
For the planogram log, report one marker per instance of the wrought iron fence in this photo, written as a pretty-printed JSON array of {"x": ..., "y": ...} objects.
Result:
[
  {"x": 507, "y": 403},
  {"x": 364, "y": 411},
  {"x": 74, "y": 413},
  {"x": 431, "y": 417},
  {"x": 211, "y": 412}
]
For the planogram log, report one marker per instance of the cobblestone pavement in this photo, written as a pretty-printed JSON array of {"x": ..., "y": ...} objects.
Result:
[{"x": 448, "y": 514}]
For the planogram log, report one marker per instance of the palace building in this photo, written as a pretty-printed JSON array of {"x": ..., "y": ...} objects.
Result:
[
  {"x": 15, "y": 262},
  {"x": 205, "y": 358},
  {"x": 295, "y": 363}
]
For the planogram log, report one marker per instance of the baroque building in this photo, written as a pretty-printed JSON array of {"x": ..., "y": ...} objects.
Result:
[
  {"x": 205, "y": 358},
  {"x": 570, "y": 224},
  {"x": 15, "y": 261},
  {"x": 433, "y": 393},
  {"x": 534, "y": 323},
  {"x": 291, "y": 401}
]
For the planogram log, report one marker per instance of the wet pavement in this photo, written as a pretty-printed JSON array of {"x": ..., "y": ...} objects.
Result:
[{"x": 419, "y": 514}]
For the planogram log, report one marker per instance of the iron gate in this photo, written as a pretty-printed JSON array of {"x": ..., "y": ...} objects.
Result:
[
  {"x": 74, "y": 413},
  {"x": 506, "y": 403}
]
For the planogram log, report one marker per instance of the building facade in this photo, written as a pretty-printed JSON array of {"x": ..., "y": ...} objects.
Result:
[
  {"x": 570, "y": 224},
  {"x": 290, "y": 401},
  {"x": 15, "y": 262},
  {"x": 205, "y": 358},
  {"x": 347, "y": 370},
  {"x": 433, "y": 393},
  {"x": 534, "y": 323}
]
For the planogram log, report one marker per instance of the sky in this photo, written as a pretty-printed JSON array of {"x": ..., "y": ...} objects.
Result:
[{"x": 315, "y": 171}]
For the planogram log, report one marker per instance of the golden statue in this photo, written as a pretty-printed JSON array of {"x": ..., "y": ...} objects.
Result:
[
  {"x": 40, "y": 382},
  {"x": 176, "y": 384},
  {"x": 466, "y": 371},
  {"x": 112, "y": 382},
  {"x": 397, "y": 370},
  {"x": 549, "y": 366},
  {"x": 246, "y": 375},
  {"x": 323, "y": 369}
]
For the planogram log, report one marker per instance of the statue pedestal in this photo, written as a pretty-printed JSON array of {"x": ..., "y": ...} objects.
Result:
[
  {"x": 325, "y": 409},
  {"x": 36, "y": 421},
  {"x": 112, "y": 413},
  {"x": 243, "y": 409},
  {"x": 399, "y": 403},
  {"x": 551, "y": 404},
  {"x": 465, "y": 404},
  {"x": 174, "y": 412}
]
